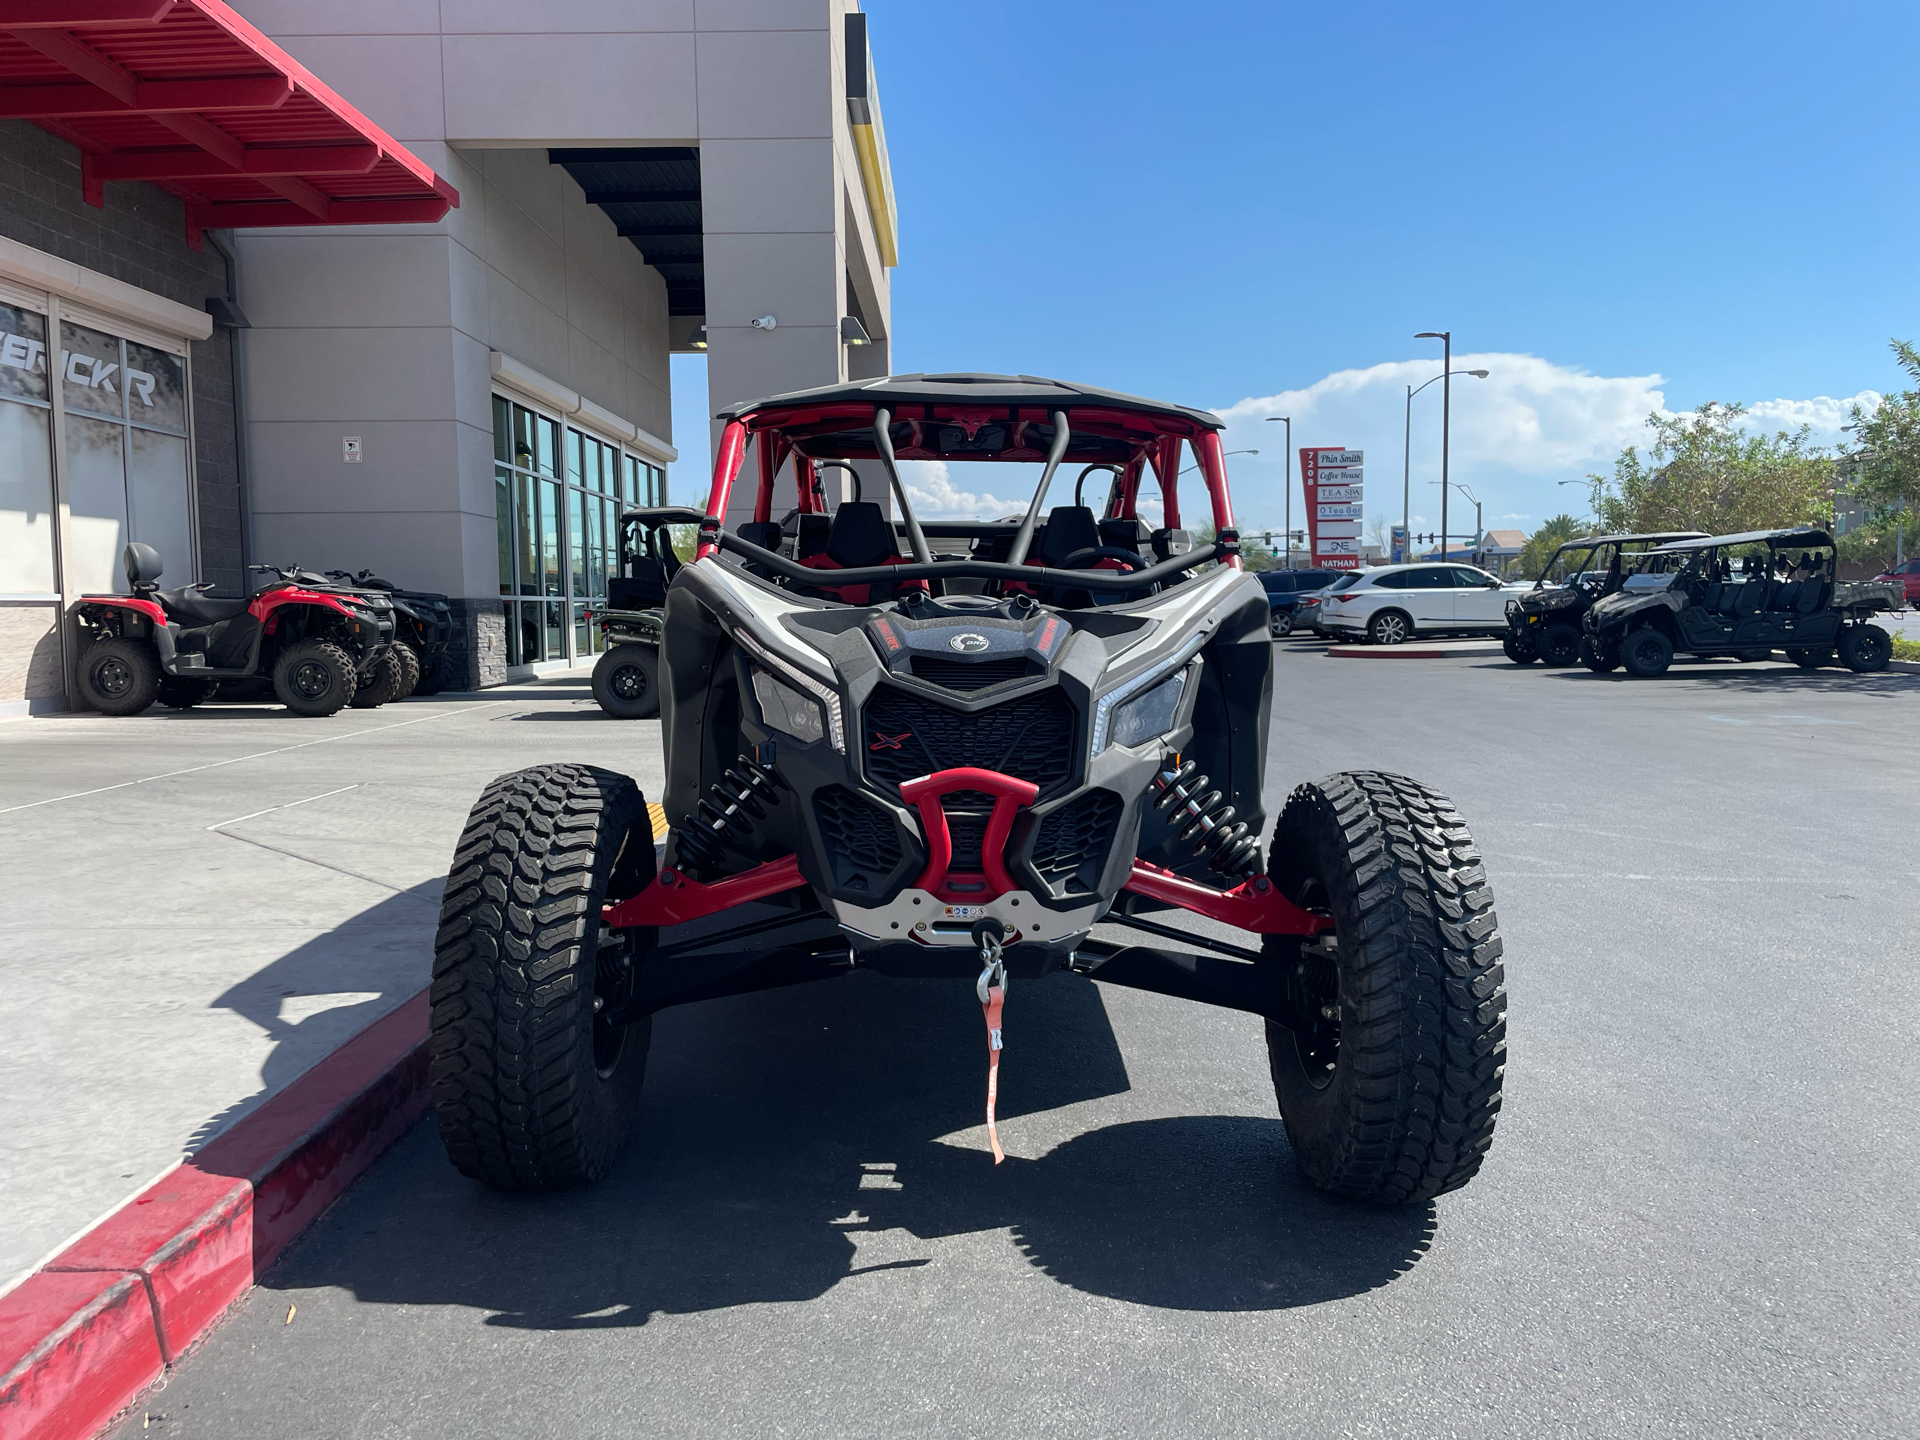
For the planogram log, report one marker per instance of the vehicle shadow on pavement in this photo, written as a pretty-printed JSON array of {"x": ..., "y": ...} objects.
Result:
[
  {"x": 774, "y": 1161},
  {"x": 313, "y": 999}
]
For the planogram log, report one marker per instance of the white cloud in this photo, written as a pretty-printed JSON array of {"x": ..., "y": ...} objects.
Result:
[
  {"x": 1529, "y": 425},
  {"x": 935, "y": 497},
  {"x": 1826, "y": 415}
]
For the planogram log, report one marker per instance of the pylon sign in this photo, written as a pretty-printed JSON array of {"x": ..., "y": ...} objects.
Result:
[{"x": 1333, "y": 478}]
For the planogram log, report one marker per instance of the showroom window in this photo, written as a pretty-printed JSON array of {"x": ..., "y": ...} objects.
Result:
[
  {"x": 26, "y": 456},
  {"x": 126, "y": 454},
  {"x": 125, "y": 463},
  {"x": 558, "y": 494}
]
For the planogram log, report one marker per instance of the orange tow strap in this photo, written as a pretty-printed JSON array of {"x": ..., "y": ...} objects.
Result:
[{"x": 996, "y": 997}]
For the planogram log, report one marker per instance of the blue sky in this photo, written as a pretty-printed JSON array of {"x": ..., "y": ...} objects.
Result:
[{"x": 1253, "y": 208}]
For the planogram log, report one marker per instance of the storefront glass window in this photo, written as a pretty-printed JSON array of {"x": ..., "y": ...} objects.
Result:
[
  {"x": 26, "y": 456},
  {"x": 558, "y": 493},
  {"x": 127, "y": 465}
]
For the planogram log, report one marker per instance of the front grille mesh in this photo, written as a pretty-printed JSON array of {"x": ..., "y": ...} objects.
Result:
[
  {"x": 967, "y": 675},
  {"x": 1030, "y": 738},
  {"x": 861, "y": 841},
  {"x": 1071, "y": 843}
]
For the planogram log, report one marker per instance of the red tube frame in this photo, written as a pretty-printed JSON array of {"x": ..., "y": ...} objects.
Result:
[
  {"x": 1256, "y": 905},
  {"x": 726, "y": 468},
  {"x": 674, "y": 898}
]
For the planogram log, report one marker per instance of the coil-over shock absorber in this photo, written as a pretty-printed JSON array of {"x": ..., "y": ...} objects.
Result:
[
  {"x": 724, "y": 818},
  {"x": 1230, "y": 846}
]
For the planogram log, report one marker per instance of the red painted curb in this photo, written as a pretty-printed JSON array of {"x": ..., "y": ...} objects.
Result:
[{"x": 99, "y": 1323}]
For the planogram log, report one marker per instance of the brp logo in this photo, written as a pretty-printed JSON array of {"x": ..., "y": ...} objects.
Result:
[{"x": 968, "y": 644}]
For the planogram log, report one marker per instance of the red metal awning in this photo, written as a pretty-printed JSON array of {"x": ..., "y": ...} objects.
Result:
[{"x": 186, "y": 95}]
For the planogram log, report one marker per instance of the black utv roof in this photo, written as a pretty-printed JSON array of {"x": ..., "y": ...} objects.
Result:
[
  {"x": 1792, "y": 535},
  {"x": 895, "y": 391},
  {"x": 1662, "y": 536}
]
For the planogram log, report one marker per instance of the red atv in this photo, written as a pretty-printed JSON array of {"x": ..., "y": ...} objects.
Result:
[{"x": 174, "y": 646}]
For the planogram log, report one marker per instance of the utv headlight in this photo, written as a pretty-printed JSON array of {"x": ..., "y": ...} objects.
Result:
[
  {"x": 1139, "y": 691},
  {"x": 1148, "y": 716},
  {"x": 786, "y": 710},
  {"x": 794, "y": 680}
]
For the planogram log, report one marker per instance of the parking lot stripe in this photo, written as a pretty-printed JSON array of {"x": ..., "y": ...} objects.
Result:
[
  {"x": 257, "y": 755},
  {"x": 288, "y": 806}
]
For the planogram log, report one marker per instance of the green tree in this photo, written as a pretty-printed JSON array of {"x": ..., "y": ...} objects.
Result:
[
  {"x": 1703, "y": 472},
  {"x": 1884, "y": 474},
  {"x": 1532, "y": 559}
]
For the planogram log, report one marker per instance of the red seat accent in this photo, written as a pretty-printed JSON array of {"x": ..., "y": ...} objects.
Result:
[{"x": 856, "y": 594}]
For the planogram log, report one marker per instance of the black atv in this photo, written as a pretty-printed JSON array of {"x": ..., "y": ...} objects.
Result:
[
  {"x": 1745, "y": 596},
  {"x": 1544, "y": 623},
  {"x": 959, "y": 764},
  {"x": 317, "y": 646},
  {"x": 626, "y": 679},
  {"x": 423, "y": 624}
]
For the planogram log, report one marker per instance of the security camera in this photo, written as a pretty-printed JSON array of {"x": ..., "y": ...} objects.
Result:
[{"x": 765, "y": 322}]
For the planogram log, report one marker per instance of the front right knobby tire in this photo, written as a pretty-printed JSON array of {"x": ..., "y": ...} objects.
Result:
[
  {"x": 1397, "y": 1103},
  {"x": 534, "y": 1087}
]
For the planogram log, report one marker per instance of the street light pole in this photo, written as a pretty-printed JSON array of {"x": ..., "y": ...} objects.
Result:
[
  {"x": 1406, "y": 505},
  {"x": 1286, "y": 477},
  {"x": 1406, "y": 483},
  {"x": 1446, "y": 421}
]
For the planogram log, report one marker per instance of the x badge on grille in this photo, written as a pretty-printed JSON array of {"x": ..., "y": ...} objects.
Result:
[{"x": 890, "y": 742}]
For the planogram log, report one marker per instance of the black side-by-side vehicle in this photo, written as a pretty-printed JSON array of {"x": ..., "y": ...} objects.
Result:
[
  {"x": 1544, "y": 623},
  {"x": 1744, "y": 595}
]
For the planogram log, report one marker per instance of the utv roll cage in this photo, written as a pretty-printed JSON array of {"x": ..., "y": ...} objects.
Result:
[{"x": 1006, "y": 418}]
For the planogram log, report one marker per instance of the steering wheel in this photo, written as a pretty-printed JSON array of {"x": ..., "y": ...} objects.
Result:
[{"x": 1084, "y": 559}]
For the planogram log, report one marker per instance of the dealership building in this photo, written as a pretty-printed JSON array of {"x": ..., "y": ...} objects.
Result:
[{"x": 393, "y": 284}]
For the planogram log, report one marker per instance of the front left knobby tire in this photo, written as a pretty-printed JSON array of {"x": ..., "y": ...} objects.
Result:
[
  {"x": 1394, "y": 1100},
  {"x": 1519, "y": 649},
  {"x": 534, "y": 1084}
]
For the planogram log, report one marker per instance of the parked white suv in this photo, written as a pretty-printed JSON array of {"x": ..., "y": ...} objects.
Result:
[{"x": 1392, "y": 603}]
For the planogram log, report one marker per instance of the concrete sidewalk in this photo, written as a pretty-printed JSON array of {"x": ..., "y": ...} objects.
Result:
[{"x": 205, "y": 904}]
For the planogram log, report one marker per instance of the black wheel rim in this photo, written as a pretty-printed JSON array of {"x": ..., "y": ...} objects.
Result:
[
  {"x": 629, "y": 682},
  {"x": 311, "y": 679},
  {"x": 113, "y": 677},
  {"x": 1316, "y": 985}
]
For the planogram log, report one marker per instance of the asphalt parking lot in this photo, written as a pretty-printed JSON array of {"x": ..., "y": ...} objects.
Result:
[{"x": 1697, "y": 1219}]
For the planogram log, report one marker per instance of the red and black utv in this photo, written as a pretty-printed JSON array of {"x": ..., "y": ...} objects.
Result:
[
  {"x": 987, "y": 750},
  {"x": 316, "y": 647}
]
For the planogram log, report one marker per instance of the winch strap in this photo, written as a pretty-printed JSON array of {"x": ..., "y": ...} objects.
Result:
[{"x": 996, "y": 997}]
